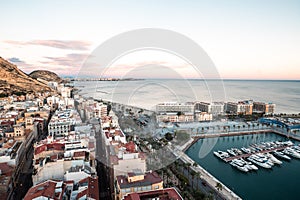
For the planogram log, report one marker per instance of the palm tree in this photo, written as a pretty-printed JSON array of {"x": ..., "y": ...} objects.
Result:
[
  {"x": 198, "y": 175},
  {"x": 193, "y": 174},
  {"x": 219, "y": 186},
  {"x": 195, "y": 164},
  {"x": 187, "y": 167}
]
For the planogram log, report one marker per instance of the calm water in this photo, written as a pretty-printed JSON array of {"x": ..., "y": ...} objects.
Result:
[
  {"x": 147, "y": 93},
  {"x": 281, "y": 182}
]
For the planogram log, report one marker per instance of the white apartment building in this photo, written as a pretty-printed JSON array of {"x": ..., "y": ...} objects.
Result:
[
  {"x": 214, "y": 108},
  {"x": 175, "y": 107}
]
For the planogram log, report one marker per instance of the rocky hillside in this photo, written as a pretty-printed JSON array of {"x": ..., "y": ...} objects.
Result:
[
  {"x": 15, "y": 81},
  {"x": 45, "y": 75}
]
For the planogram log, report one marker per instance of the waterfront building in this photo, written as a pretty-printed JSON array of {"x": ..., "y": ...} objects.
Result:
[
  {"x": 175, "y": 107},
  {"x": 241, "y": 107},
  {"x": 137, "y": 181},
  {"x": 175, "y": 117},
  {"x": 203, "y": 116},
  {"x": 215, "y": 108},
  {"x": 266, "y": 108}
]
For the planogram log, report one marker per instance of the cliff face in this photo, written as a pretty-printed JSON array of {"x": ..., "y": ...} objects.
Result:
[
  {"x": 15, "y": 81},
  {"x": 45, "y": 75}
]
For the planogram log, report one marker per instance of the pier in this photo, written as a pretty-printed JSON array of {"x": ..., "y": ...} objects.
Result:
[{"x": 249, "y": 154}]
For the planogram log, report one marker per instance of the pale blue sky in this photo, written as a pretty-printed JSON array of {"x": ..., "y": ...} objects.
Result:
[{"x": 245, "y": 39}]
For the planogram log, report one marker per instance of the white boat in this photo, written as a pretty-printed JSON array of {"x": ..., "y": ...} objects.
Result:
[
  {"x": 260, "y": 162},
  {"x": 239, "y": 165},
  {"x": 221, "y": 154},
  {"x": 281, "y": 155},
  {"x": 246, "y": 150},
  {"x": 265, "y": 159},
  {"x": 248, "y": 165},
  {"x": 251, "y": 165},
  {"x": 291, "y": 152},
  {"x": 230, "y": 151},
  {"x": 273, "y": 159}
]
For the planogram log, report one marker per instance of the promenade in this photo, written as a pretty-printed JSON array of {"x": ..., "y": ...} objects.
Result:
[{"x": 225, "y": 192}]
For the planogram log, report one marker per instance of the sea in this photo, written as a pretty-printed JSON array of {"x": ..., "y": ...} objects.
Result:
[
  {"x": 146, "y": 93},
  {"x": 278, "y": 183}
]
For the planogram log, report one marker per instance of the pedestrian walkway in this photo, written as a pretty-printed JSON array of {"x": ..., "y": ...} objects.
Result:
[{"x": 225, "y": 192}]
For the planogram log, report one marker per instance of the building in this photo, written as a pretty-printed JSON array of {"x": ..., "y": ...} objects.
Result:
[
  {"x": 61, "y": 160},
  {"x": 266, "y": 108},
  {"x": 7, "y": 171},
  {"x": 215, "y": 108},
  {"x": 63, "y": 122},
  {"x": 203, "y": 116},
  {"x": 137, "y": 181},
  {"x": 175, "y": 117},
  {"x": 86, "y": 188},
  {"x": 241, "y": 107},
  {"x": 54, "y": 190},
  {"x": 163, "y": 194},
  {"x": 175, "y": 107}
]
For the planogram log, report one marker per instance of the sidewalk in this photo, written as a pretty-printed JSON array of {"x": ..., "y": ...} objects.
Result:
[{"x": 211, "y": 180}]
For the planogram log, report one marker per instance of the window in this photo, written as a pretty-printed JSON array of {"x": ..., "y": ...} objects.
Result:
[
  {"x": 144, "y": 188},
  {"x": 128, "y": 190}
]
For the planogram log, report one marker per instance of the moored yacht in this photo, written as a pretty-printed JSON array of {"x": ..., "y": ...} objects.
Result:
[
  {"x": 259, "y": 161},
  {"x": 273, "y": 159},
  {"x": 239, "y": 165},
  {"x": 289, "y": 151},
  {"x": 221, "y": 154},
  {"x": 281, "y": 155}
]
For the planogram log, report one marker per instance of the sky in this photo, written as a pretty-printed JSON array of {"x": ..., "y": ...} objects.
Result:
[{"x": 250, "y": 39}]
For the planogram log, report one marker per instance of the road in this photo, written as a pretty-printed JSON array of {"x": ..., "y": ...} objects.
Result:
[{"x": 102, "y": 168}]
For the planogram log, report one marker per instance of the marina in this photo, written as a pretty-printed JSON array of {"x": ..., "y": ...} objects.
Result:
[{"x": 242, "y": 182}]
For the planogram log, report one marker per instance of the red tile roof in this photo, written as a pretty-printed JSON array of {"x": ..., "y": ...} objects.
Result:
[
  {"x": 149, "y": 179},
  {"x": 130, "y": 147},
  {"x": 6, "y": 169},
  {"x": 79, "y": 154},
  {"x": 45, "y": 189},
  {"x": 114, "y": 160},
  {"x": 163, "y": 194},
  {"x": 92, "y": 191}
]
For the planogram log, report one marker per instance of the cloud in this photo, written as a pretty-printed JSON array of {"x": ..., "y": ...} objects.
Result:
[
  {"x": 18, "y": 62},
  {"x": 70, "y": 60},
  {"x": 60, "y": 44},
  {"x": 15, "y": 60}
]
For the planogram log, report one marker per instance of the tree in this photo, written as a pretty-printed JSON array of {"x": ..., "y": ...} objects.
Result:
[
  {"x": 195, "y": 164},
  {"x": 198, "y": 175},
  {"x": 219, "y": 186},
  {"x": 168, "y": 136},
  {"x": 193, "y": 174}
]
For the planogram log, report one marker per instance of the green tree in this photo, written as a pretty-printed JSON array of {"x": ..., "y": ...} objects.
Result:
[{"x": 219, "y": 186}]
